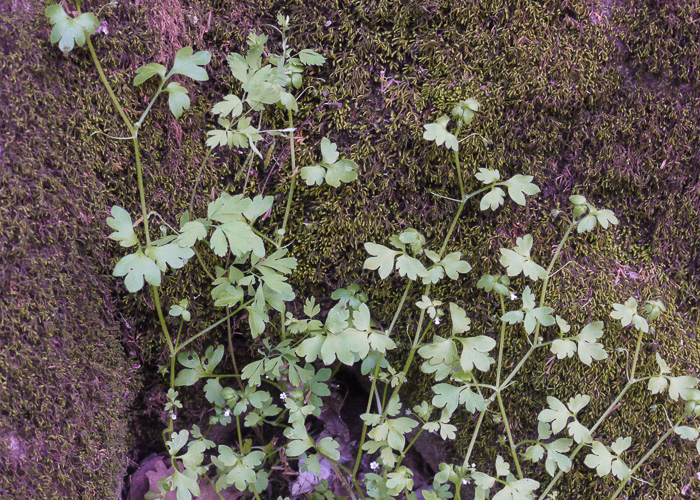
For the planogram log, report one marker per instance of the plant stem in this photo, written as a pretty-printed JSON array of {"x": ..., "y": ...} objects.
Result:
[
  {"x": 474, "y": 435},
  {"x": 112, "y": 96},
  {"x": 282, "y": 232},
  {"x": 636, "y": 355},
  {"x": 376, "y": 373},
  {"x": 211, "y": 327},
  {"x": 164, "y": 327},
  {"x": 647, "y": 455},
  {"x": 199, "y": 176},
  {"x": 510, "y": 436}
]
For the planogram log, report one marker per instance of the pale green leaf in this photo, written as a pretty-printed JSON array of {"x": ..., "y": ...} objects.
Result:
[
  {"x": 519, "y": 186},
  {"x": 341, "y": 171},
  {"x": 137, "y": 267},
  {"x": 191, "y": 233},
  {"x": 438, "y": 132},
  {"x": 178, "y": 100},
  {"x": 474, "y": 351},
  {"x": 311, "y": 57},
  {"x": 410, "y": 267},
  {"x": 231, "y": 105},
  {"x": 488, "y": 176},
  {"x": 454, "y": 266},
  {"x": 149, "y": 71},
  {"x": 563, "y": 348},
  {"x": 124, "y": 228},
  {"x": 382, "y": 259},
  {"x": 460, "y": 322},
  {"x": 172, "y": 255},
  {"x": 588, "y": 348},
  {"x": 502, "y": 467},
  {"x": 69, "y": 32},
  {"x": 493, "y": 199},
  {"x": 188, "y": 64}
]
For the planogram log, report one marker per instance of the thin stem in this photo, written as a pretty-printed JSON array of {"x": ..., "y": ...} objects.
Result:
[
  {"x": 112, "y": 96},
  {"x": 199, "y": 176},
  {"x": 510, "y": 436},
  {"x": 474, "y": 436},
  {"x": 161, "y": 318},
  {"x": 204, "y": 266},
  {"x": 500, "y": 346},
  {"x": 138, "y": 124},
  {"x": 636, "y": 354},
  {"x": 413, "y": 441},
  {"x": 282, "y": 232},
  {"x": 376, "y": 373},
  {"x": 648, "y": 454},
  {"x": 142, "y": 191},
  {"x": 211, "y": 327}
]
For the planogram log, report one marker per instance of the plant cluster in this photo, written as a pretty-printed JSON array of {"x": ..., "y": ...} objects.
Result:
[{"x": 288, "y": 385}]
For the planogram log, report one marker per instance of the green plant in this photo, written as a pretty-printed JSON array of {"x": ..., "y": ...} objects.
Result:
[{"x": 288, "y": 384}]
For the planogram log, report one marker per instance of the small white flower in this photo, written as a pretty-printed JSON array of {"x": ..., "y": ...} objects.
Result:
[
  {"x": 698, "y": 476},
  {"x": 437, "y": 321},
  {"x": 227, "y": 412},
  {"x": 466, "y": 480},
  {"x": 173, "y": 416},
  {"x": 473, "y": 466},
  {"x": 513, "y": 296},
  {"x": 375, "y": 466},
  {"x": 283, "y": 396}
]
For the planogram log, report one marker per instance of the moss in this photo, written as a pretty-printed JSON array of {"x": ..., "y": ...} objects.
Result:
[
  {"x": 64, "y": 376},
  {"x": 588, "y": 100}
]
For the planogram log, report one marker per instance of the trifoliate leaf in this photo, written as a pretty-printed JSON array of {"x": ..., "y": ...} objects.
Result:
[
  {"x": 178, "y": 100},
  {"x": 518, "y": 260},
  {"x": 627, "y": 314},
  {"x": 438, "y": 132},
  {"x": 148, "y": 71},
  {"x": 488, "y": 176},
  {"x": 124, "y": 228},
  {"x": 311, "y": 57},
  {"x": 578, "y": 403},
  {"x": 172, "y": 255},
  {"x": 555, "y": 456},
  {"x": 69, "y": 32},
  {"x": 493, "y": 199},
  {"x": 382, "y": 259},
  {"x": 654, "y": 309},
  {"x": 137, "y": 267},
  {"x": 231, "y": 105},
  {"x": 188, "y": 64},
  {"x": 520, "y": 489},
  {"x": 519, "y": 186},
  {"x": 557, "y": 414},
  {"x": 329, "y": 448},
  {"x": 586, "y": 224},
  {"x": 579, "y": 432},
  {"x": 605, "y": 217},
  {"x": 599, "y": 459}
]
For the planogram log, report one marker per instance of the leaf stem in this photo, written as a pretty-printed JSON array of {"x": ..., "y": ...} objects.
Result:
[
  {"x": 511, "y": 442},
  {"x": 211, "y": 327}
]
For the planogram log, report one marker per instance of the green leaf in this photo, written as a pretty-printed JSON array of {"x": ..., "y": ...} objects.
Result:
[
  {"x": 563, "y": 348},
  {"x": 382, "y": 259},
  {"x": 187, "y": 377},
  {"x": 520, "y": 489},
  {"x": 599, "y": 459},
  {"x": 341, "y": 171},
  {"x": 231, "y": 105},
  {"x": 409, "y": 267},
  {"x": 557, "y": 414},
  {"x": 454, "y": 266},
  {"x": 627, "y": 314},
  {"x": 172, "y": 255},
  {"x": 188, "y": 64},
  {"x": 474, "y": 351},
  {"x": 588, "y": 348},
  {"x": 69, "y": 32},
  {"x": 579, "y": 432},
  {"x": 329, "y": 152},
  {"x": 438, "y": 132},
  {"x": 493, "y": 199},
  {"x": 460, "y": 322},
  {"x": 191, "y": 233},
  {"x": 534, "y": 453},
  {"x": 178, "y": 100},
  {"x": 657, "y": 385},
  {"x": 124, "y": 228},
  {"x": 212, "y": 391},
  {"x": 488, "y": 176},
  {"x": 555, "y": 456},
  {"x": 502, "y": 467},
  {"x": 685, "y": 432},
  {"x": 148, "y": 71},
  {"x": 311, "y": 58},
  {"x": 313, "y": 174},
  {"x": 519, "y": 186},
  {"x": 137, "y": 267},
  {"x": 518, "y": 260},
  {"x": 683, "y": 387},
  {"x": 329, "y": 448}
]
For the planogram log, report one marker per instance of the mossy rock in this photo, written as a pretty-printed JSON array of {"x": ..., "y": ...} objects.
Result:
[{"x": 587, "y": 97}]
